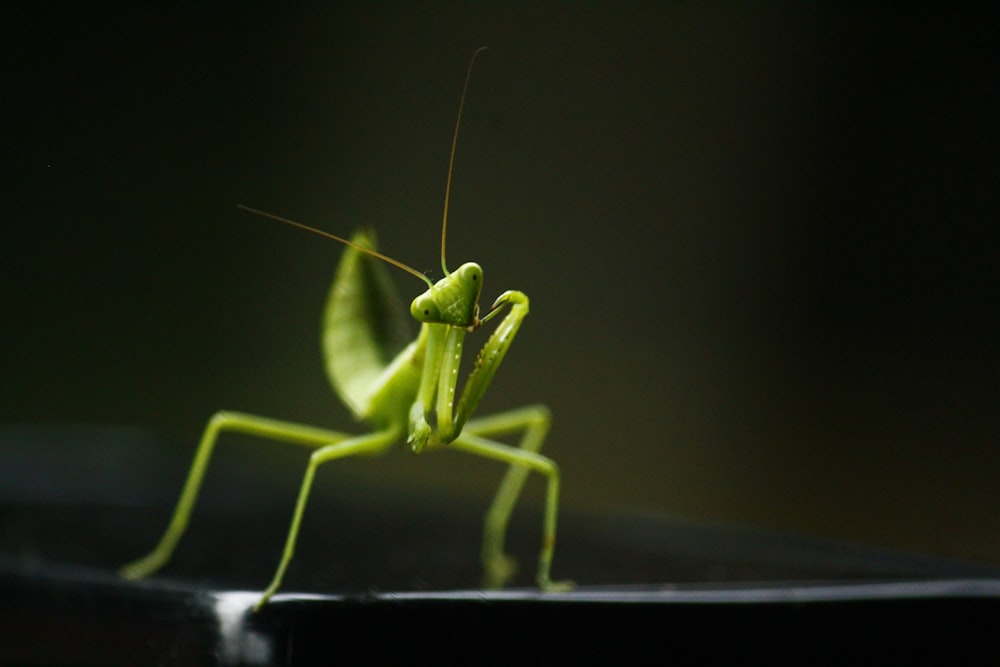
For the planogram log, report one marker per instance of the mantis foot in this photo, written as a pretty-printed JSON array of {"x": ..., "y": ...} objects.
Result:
[
  {"x": 550, "y": 586},
  {"x": 499, "y": 570},
  {"x": 143, "y": 567}
]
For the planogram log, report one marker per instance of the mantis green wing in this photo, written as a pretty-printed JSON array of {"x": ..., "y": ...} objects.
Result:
[{"x": 364, "y": 325}]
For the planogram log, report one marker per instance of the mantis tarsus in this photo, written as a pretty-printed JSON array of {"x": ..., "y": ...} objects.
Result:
[{"x": 402, "y": 390}]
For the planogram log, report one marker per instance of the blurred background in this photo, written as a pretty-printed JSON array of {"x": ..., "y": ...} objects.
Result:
[{"x": 760, "y": 241}]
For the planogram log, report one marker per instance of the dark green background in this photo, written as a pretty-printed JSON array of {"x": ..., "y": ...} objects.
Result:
[{"x": 760, "y": 242}]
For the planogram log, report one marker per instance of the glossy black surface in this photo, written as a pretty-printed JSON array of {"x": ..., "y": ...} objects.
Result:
[{"x": 398, "y": 581}]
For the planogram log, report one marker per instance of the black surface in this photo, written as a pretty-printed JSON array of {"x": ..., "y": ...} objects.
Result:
[{"x": 397, "y": 581}]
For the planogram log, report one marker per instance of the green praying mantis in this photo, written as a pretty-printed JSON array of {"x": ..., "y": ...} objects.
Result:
[{"x": 402, "y": 390}]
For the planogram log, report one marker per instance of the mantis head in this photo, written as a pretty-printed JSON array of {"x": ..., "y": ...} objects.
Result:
[{"x": 453, "y": 300}]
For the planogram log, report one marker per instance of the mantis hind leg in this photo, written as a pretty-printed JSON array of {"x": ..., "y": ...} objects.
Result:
[
  {"x": 533, "y": 422},
  {"x": 235, "y": 422}
]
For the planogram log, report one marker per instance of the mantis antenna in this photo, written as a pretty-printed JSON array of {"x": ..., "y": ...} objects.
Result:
[
  {"x": 451, "y": 161},
  {"x": 373, "y": 253},
  {"x": 447, "y": 197}
]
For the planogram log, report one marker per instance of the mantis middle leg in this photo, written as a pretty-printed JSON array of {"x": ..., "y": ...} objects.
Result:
[
  {"x": 363, "y": 444},
  {"x": 533, "y": 422}
]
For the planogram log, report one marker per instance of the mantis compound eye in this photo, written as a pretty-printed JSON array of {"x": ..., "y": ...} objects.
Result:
[
  {"x": 424, "y": 309},
  {"x": 471, "y": 273}
]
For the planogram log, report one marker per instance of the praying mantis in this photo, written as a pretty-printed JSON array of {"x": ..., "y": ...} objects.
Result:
[{"x": 403, "y": 390}]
